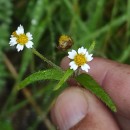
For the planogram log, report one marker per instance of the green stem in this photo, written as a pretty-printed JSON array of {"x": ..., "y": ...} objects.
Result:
[{"x": 45, "y": 59}]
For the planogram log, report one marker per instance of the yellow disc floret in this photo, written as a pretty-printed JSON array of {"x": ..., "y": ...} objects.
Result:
[
  {"x": 63, "y": 38},
  {"x": 80, "y": 59},
  {"x": 22, "y": 39}
]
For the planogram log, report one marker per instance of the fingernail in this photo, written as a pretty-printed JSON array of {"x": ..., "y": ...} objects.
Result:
[{"x": 70, "y": 108}]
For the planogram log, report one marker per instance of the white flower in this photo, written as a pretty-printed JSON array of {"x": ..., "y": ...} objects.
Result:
[
  {"x": 21, "y": 39},
  {"x": 80, "y": 59}
]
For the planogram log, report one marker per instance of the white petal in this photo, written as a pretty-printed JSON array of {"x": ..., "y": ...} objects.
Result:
[
  {"x": 82, "y": 50},
  {"x": 29, "y": 35},
  {"x": 29, "y": 44},
  {"x": 85, "y": 67},
  {"x": 72, "y": 54},
  {"x": 86, "y": 53},
  {"x": 89, "y": 57},
  {"x": 20, "y": 30},
  {"x": 13, "y": 41},
  {"x": 73, "y": 65},
  {"x": 19, "y": 47},
  {"x": 79, "y": 50}
]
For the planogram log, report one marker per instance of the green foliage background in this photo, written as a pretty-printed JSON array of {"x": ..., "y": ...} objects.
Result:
[{"x": 106, "y": 22}]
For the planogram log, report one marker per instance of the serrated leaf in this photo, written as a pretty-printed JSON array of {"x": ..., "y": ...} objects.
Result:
[
  {"x": 53, "y": 74},
  {"x": 66, "y": 75},
  {"x": 88, "y": 82}
]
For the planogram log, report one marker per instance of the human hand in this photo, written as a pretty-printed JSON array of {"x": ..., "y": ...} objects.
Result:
[{"x": 78, "y": 109}]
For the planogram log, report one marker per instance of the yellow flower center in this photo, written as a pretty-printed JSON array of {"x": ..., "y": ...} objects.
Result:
[
  {"x": 22, "y": 39},
  {"x": 80, "y": 59},
  {"x": 64, "y": 38},
  {"x": 65, "y": 42}
]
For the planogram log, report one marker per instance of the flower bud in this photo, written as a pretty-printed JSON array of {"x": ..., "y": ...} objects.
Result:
[{"x": 65, "y": 42}]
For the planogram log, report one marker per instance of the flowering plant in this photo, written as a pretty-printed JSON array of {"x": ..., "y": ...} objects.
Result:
[{"x": 78, "y": 61}]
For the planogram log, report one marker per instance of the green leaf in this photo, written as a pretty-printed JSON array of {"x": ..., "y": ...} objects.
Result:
[
  {"x": 88, "y": 82},
  {"x": 42, "y": 75},
  {"x": 66, "y": 75},
  {"x": 92, "y": 46}
]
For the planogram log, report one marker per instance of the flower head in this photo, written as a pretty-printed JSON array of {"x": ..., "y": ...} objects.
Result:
[
  {"x": 65, "y": 42},
  {"x": 21, "y": 39},
  {"x": 80, "y": 59}
]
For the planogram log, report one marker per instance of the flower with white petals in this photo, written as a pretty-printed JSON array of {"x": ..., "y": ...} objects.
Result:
[
  {"x": 80, "y": 59},
  {"x": 21, "y": 39}
]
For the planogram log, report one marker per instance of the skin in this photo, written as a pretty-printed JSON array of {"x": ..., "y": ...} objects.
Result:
[{"x": 78, "y": 109}]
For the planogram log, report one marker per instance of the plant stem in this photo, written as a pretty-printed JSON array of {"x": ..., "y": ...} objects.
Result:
[{"x": 45, "y": 59}]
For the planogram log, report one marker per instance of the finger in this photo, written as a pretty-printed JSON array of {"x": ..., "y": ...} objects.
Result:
[
  {"x": 78, "y": 109},
  {"x": 114, "y": 78}
]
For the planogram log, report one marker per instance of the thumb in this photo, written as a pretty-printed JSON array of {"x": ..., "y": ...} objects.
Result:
[{"x": 77, "y": 108}]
